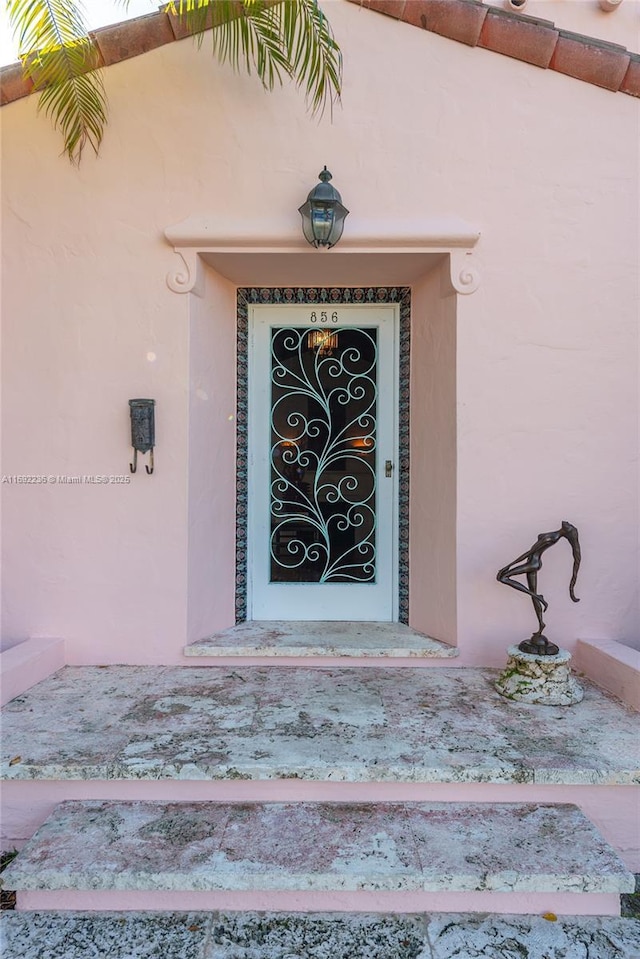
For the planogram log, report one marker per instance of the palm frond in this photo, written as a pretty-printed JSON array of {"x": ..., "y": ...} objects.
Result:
[
  {"x": 252, "y": 37},
  {"x": 312, "y": 50},
  {"x": 274, "y": 38},
  {"x": 61, "y": 60}
]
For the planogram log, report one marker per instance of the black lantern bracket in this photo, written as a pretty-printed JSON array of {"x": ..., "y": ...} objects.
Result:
[{"x": 143, "y": 431}]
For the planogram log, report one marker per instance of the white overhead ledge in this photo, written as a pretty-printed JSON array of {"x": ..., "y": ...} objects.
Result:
[
  {"x": 214, "y": 233},
  {"x": 208, "y": 237}
]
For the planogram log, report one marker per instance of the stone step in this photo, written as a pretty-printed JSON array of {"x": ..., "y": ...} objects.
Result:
[
  {"x": 321, "y": 639},
  {"x": 442, "y": 853},
  {"x": 274, "y": 733},
  {"x": 346, "y": 725},
  {"x": 288, "y": 936}
]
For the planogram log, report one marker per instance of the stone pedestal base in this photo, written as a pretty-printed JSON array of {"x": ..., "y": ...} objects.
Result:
[{"x": 544, "y": 680}]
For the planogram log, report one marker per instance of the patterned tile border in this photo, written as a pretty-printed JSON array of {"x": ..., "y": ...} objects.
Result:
[{"x": 247, "y": 296}]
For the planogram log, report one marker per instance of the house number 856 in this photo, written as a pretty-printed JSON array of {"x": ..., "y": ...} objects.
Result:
[{"x": 324, "y": 317}]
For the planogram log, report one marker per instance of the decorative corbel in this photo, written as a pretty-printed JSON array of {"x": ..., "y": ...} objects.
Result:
[
  {"x": 189, "y": 279},
  {"x": 464, "y": 277}
]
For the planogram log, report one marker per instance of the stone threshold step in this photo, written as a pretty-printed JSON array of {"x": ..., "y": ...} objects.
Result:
[
  {"x": 436, "y": 847},
  {"x": 316, "y": 936},
  {"x": 323, "y": 639}
]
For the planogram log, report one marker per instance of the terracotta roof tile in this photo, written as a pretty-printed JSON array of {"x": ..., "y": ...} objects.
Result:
[
  {"x": 391, "y": 8},
  {"x": 603, "y": 64},
  {"x": 459, "y": 20},
  {"x": 13, "y": 85},
  {"x": 178, "y": 27},
  {"x": 523, "y": 38},
  {"x": 516, "y": 35},
  {"x": 467, "y": 21},
  {"x": 121, "y": 41},
  {"x": 180, "y": 30},
  {"x": 631, "y": 81}
]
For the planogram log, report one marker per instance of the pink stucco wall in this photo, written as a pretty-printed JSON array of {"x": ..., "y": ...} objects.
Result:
[
  {"x": 564, "y": 904},
  {"x": 26, "y": 664},
  {"x": 212, "y": 438},
  {"x": 546, "y": 350},
  {"x": 613, "y": 666},
  {"x": 433, "y": 457}
]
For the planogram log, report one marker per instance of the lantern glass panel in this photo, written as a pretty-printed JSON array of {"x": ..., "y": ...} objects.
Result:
[{"x": 322, "y": 224}]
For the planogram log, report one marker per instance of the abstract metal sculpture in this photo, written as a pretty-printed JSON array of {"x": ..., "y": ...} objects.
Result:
[{"x": 528, "y": 565}]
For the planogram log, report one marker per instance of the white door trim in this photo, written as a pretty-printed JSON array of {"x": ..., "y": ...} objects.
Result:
[{"x": 295, "y": 601}]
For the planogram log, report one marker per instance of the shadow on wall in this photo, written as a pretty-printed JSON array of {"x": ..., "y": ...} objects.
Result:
[{"x": 6, "y": 644}]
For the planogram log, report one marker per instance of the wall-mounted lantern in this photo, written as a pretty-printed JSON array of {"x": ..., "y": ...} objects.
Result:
[
  {"x": 143, "y": 431},
  {"x": 323, "y": 214}
]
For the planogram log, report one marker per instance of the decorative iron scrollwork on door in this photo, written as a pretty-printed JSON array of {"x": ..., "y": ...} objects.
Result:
[{"x": 323, "y": 456}]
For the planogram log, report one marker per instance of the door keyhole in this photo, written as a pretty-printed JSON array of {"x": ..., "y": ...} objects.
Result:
[{"x": 388, "y": 469}]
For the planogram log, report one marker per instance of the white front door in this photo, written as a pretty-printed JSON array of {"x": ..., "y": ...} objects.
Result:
[{"x": 323, "y": 442}]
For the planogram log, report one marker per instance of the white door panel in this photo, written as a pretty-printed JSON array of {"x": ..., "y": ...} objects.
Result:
[{"x": 322, "y": 451}]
